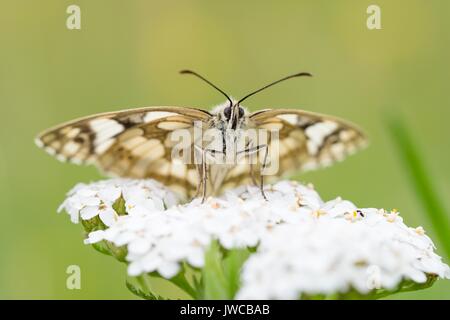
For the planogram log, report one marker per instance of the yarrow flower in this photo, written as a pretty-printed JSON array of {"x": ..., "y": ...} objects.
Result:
[
  {"x": 97, "y": 199},
  {"x": 298, "y": 245},
  {"x": 335, "y": 256}
]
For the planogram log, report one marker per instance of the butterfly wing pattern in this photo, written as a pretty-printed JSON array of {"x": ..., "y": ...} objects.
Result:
[
  {"x": 306, "y": 141},
  {"x": 133, "y": 143},
  {"x": 138, "y": 143}
]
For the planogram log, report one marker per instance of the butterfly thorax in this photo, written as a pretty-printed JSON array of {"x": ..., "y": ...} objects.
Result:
[
  {"x": 226, "y": 140},
  {"x": 227, "y": 129}
]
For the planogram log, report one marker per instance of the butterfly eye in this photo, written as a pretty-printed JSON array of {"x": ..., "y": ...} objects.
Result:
[
  {"x": 227, "y": 113},
  {"x": 241, "y": 112}
]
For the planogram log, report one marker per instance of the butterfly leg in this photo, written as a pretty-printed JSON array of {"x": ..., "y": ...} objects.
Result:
[
  {"x": 203, "y": 173},
  {"x": 252, "y": 150},
  {"x": 200, "y": 184},
  {"x": 203, "y": 169},
  {"x": 261, "y": 186},
  {"x": 252, "y": 171},
  {"x": 201, "y": 188},
  {"x": 252, "y": 175}
]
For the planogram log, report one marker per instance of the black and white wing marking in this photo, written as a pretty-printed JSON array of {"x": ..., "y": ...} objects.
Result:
[
  {"x": 131, "y": 143},
  {"x": 306, "y": 141},
  {"x": 309, "y": 140}
]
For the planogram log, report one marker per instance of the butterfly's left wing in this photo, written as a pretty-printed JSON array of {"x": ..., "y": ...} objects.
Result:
[
  {"x": 135, "y": 143},
  {"x": 306, "y": 141}
]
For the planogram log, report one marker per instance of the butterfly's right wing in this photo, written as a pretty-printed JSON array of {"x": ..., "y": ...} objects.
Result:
[
  {"x": 306, "y": 141},
  {"x": 134, "y": 143},
  {"x": 309, "y": 140}
]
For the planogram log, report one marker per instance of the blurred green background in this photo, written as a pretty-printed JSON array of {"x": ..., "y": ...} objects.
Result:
[{"x": 127, "y": 54}]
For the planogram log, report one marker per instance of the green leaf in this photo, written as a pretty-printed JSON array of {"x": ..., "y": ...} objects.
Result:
[
  {"x": 141, "y": 289},
  {"x": 404, "y": 286},
  {"x": 102, "y": 248},
  {"x": 214, "y": 281},
  {"x": 232, "y": 265},
  {"x": 198, "y": 286},
  {"x": 119, "y": 253},
  {"x": 221, "y": 273},
  {"x": 415, "y": 167},
  {"x": 119, "y": 206},
  {"x": 181, "y": 282},
  {"x": 93, "y": 224}
]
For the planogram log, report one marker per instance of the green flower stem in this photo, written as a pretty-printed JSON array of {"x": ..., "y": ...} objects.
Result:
[
  {"x": 405, "y": 286},
  {"x": 143, "y": 283},
  {"x": 420, "y": 178},
  {"x": 181, "y": 282},
  {"x": 139, "y": 287}
]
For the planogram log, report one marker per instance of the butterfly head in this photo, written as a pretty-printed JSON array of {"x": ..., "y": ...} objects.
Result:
[{"x": 230, "y": 115}]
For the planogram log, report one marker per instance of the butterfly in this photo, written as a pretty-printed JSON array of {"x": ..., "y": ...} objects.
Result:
[{"x": 140, "y": 143}]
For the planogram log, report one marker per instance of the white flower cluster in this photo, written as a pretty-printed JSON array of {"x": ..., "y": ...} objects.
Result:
[
  {"x": 330, "y": 256},
  {"x": 97, "y": 199},
  {"x": 305, "y": 245}
]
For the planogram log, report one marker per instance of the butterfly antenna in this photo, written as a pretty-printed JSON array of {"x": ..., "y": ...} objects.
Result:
[
  {"x": 301, "y": 74},
  {"x": 208, "y": 82}
]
